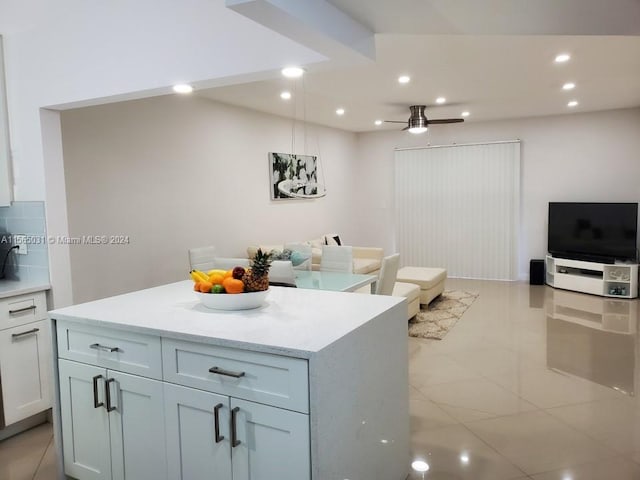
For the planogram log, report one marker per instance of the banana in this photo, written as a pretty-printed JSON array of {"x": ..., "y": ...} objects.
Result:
[
  {"x": 215, "y": 271},
  {"x": 198, "y": 276}
]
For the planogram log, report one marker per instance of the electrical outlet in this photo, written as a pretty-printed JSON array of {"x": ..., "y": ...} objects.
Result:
[{"x": 21, "y": 242}]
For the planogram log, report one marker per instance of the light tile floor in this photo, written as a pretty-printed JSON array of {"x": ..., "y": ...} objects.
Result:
[
  {"x": 28, "y": 456},
  {"x": 531, "y": 383}
]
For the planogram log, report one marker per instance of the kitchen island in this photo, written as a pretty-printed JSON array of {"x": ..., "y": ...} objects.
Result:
[{"x": 313, "y": 385}]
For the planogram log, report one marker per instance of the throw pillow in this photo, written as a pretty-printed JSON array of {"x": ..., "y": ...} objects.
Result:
[
  {"x": 298, "y": 258},
  {"x": 332, "y": 239}
]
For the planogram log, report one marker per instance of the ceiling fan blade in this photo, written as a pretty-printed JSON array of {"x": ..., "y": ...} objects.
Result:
[
  {"x": 395, "y": 121},
  {"x": 405, "y": 128},
  {"x": 445, "y": 120}
]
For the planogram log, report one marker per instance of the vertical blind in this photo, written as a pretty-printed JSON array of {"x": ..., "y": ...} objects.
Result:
[{"x": 457, "y": 207}]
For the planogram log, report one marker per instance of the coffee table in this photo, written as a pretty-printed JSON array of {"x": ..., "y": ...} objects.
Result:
[{"x": 335, "y": 281}]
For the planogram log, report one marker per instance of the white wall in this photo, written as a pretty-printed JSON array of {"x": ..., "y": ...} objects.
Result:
[
  {"x": 578, "y": 157},
  {"x": 86, "y": 51},
  {"x": 177, "y": 172},
  {"x": 89, "y": 52}
]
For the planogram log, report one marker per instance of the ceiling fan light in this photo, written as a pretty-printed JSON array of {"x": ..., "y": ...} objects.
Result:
[{"x": 417, "y": 122}]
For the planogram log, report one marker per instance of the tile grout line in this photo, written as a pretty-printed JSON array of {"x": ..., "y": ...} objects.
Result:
[{"x": 42, "y": 457}]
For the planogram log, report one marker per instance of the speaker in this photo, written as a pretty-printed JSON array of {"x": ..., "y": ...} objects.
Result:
[{"x": 536, "y": 272}]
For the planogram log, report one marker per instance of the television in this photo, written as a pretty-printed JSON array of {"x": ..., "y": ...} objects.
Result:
[{"x": 597, "y": 232}]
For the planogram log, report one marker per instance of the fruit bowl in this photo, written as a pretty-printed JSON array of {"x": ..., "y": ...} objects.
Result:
[{"x": 235, "y": 301}]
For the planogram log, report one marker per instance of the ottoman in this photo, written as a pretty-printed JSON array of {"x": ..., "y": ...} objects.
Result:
[
  {"x": 430, "y": 281},
  {"x": 411, "y": 292}
]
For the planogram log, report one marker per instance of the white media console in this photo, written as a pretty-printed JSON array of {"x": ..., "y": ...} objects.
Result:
[{"x": 608, "y": 280}]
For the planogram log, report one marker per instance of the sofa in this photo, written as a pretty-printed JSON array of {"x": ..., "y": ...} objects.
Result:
[{"x": 366, "y": 260}]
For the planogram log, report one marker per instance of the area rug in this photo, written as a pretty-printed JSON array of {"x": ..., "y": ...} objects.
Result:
[{"x": 436, "y": 319}]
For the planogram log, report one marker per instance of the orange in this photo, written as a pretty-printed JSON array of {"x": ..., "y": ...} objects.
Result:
[
  {"x": 228, "y": 273},
  {"x": 216, "y": 279},
  {"x": 196, "y": 286},
  {"x": 231, "y": 285},
  {"x": 205, "y": 287}
]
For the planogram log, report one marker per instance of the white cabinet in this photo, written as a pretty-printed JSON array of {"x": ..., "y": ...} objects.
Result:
[
  {"x": 198, "y": 434},
  {"x": 112, "y": 424},
  {"x": 269, "y": 442},
  {"x": 219, "y": 412},
  {"x": 85, "y": 421},
  {"x": 311, "y": 394},
  {"x": 215, "y": 436},
  {"x": 25, "y": 357},
  {"x": 253, "y": 395},
  {"x": 608, "y": 280}
]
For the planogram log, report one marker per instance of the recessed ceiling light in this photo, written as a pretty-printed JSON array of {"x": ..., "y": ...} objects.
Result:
[
  {"x": 572, "y": 103},
  {"x": 440, "y": 100},
  {"x": 285, "y": 95},
  {"x": 465, "y": 114},
  {"x": 404, "y": 79},
  {"x": 340, "y": 111},
  {"x": 420, "y": 466},
  {"x": 563, "y": 57},
  {"x": 378, "y": 122},
  {"x": 569, "y": 86},
  {"x": 182, "y": 88},
  {"x": 292, "y": 72}
]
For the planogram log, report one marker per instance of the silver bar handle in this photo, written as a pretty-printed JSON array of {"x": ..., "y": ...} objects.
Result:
[
  {"x": 97, "y": 346},
  {"x": 216, "y": 416},
  {"x": 96, "y": 403},
  {"x": 20, "y": 310},
  {"x": 228, "y": 373},
  {"x": 234, "y": 435},
  {"x": 110, "y": 408},
  {"x": 22, "y": 334}
]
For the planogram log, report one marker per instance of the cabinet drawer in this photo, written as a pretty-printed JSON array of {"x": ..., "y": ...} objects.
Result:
[
  {"x": 260, "y": 377},
  {"x": 119, "y": 350},
  {"x": 22, "y": 309}
]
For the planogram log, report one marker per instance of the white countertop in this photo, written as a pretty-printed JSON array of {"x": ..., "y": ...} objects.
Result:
[
  {"x": 295, "y": 322},
  {"x": 10, "y": 288}
]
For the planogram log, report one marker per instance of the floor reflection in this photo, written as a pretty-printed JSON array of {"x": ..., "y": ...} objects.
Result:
[
  {"x": 523, "y": 388},
  {"x": 593, "y": 337}
]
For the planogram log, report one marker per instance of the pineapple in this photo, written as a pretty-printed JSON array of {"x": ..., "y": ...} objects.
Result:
[{"x": 256, "y": 278}]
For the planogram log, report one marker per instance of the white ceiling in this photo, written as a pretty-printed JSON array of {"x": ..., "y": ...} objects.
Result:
[{"x": 492, "y": 58}]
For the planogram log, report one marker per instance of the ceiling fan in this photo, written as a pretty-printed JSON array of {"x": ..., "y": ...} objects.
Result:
[{"x": 418, "y": 122}]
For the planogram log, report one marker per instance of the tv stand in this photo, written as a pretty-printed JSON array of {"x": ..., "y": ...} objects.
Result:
[
  {"x": 604, "y": 279},
  {"x": 589, "y": 258}
]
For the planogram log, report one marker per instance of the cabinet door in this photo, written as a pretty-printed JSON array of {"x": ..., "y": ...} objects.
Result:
[
  {"x": 194, "y": 452},
  {"x": 137, "y": 427},
  {"x": 274, "y": 443},
  {"x": 25, "y": 369},
  {"x": 85, "y": 424}
]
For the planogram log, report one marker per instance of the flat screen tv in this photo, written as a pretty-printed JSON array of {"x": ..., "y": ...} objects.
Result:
[{"x": 598, "y": 232}]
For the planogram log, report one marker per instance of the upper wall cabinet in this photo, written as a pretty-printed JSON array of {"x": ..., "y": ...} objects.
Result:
[{"x": 5, "y": 150}]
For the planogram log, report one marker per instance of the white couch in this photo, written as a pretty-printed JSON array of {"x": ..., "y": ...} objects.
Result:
[{"x": 366, "y": 260}]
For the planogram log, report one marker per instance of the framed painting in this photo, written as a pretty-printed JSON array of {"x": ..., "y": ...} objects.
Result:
[{"x": 294, "y": 176}]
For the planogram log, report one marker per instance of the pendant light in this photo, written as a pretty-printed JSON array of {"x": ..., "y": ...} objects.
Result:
[{"x": 305, "y": 182}]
